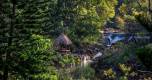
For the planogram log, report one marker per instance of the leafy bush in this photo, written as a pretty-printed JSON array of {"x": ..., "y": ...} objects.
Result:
[
  {"x": 68, "y": 60},
  {"x": 145, "y": 55}
]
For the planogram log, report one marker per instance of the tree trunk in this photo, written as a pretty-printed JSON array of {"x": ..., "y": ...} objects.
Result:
[{"x": 11, "y": 29}]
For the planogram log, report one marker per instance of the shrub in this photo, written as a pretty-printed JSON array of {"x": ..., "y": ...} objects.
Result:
[{"x": 145, "y": 55}]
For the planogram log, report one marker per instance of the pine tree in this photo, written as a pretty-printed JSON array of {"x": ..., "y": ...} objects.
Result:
[{"x": 19, "y": 21}]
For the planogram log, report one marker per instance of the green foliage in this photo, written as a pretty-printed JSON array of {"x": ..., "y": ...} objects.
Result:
[
  {"x": 123, "y": 78},
  {"x": 68, "y": 60},
  {"x": 145, "y": 55},
  {"x": 84, "y": 73},
  {"x": 32, "y": 16},
  {"x": 54, "y": 73},
  {"x": 76, "y": 72},
  {"x": 65, "y": 74},
  {"x": 63, "y": 61},
  {"x": 24, "y": 55},
  {"x": 125, "y": 69},
  {"x": 123, "y": 9},
  {"x": 84, "y": 33},
  {"x": 130, "y": 18},
  {"x": 31, "y": 55},
  {"x": 110, "y": 73},
  {"x": 120, "y": 22},
  {"x": 146, "y": 20},
  {"x": 105, "y": 9},
  {"x": 80, "y": 20},
  {"x": 33, "y": 59}
]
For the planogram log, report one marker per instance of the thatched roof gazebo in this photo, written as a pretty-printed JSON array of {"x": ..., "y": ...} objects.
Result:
[{"x": 62, "y": 43}]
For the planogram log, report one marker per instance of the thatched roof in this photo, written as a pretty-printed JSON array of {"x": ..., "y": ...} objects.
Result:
[{"x": 62, "y": 40}]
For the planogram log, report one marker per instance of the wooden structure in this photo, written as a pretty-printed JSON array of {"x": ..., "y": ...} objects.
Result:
[{"x": 62, "y": 43}]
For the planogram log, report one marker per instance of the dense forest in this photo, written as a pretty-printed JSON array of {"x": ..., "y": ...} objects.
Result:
[{"x": 75, "y": 39}]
